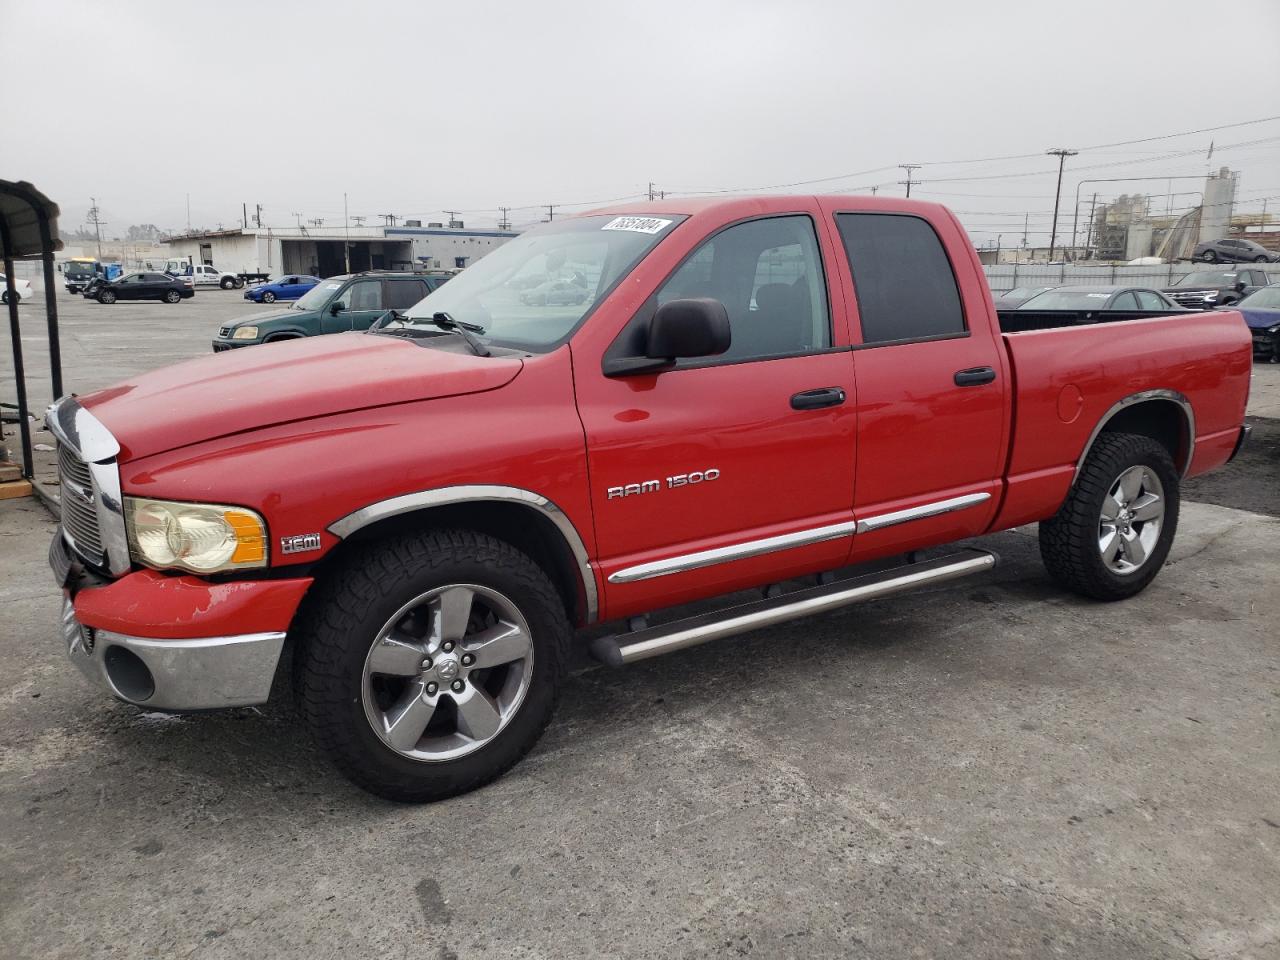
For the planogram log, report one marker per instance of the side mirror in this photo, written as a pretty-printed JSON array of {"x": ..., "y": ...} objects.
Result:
[
  {"x": 337, "y": 308},
  {"x": 695, "y": 327}
]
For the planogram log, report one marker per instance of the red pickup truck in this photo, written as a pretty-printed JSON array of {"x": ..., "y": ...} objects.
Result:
[{"x": 759, "y": 392}]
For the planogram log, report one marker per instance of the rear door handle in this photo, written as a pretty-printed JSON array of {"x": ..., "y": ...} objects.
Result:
[
  {"x": 814, "y": 399},
  {"x": 975, "y": 376}
]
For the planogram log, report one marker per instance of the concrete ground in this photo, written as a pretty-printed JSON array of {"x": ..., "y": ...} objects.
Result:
[{"x": 988, "y": 769}]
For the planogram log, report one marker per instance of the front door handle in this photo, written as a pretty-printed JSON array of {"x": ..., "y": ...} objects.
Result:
[
  {"x": 815, "y": 399},
  {"x": 975, "y": 376}
]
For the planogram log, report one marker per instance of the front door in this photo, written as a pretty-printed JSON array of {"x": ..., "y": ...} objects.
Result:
[
  {"x": 361, "y": 304},
  {"x": 932, "y": 384},
  {"x": 734, "y": 470}
]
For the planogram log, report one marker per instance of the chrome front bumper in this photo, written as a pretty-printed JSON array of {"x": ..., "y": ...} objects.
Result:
[{"x": 207, "y": 673}]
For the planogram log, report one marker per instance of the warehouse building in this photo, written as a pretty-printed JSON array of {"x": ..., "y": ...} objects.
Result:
[{"x": 329, "y": 251}]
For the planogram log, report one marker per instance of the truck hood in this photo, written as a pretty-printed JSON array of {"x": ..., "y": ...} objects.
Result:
[{"x": 261, "y": 386}]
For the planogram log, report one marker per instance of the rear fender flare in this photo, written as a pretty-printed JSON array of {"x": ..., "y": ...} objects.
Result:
[{"x": 1162, "y": 397}]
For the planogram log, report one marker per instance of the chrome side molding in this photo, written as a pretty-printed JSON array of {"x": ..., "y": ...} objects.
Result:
[
  {"x": 478, "y": 493},
  {"x": 922, "y": 511},
  {"x": 737, "y": 551},
  {"x": 621, "y": 649}
]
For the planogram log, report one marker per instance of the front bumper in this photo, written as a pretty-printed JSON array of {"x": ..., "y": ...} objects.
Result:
[
  {"x": 175, "y": 642},
  {"x": 205, "y": 673},
  {"x": 220, "y": 345}
]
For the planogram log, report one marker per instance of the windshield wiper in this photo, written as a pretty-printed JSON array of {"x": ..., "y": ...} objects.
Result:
[{"x": 466, "y": 331}]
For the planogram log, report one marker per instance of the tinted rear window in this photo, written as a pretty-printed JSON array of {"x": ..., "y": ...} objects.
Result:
[
  {"x": 402, "y": 294},
  {"x": 905, "y": 287}
]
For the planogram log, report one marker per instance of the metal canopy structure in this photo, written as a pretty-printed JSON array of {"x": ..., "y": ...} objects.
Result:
[{"x": 29, "y": 231}]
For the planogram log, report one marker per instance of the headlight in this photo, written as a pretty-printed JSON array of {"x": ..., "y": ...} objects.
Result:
[
  {"x": 200, "y": 537},
  {"x": 1274, "y": 329},
  {"x": 245, "y": 333}
]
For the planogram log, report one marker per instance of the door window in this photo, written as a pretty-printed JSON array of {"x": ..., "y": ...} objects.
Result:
[
  {"x": 768, "y": 274},
  {"x": 402, "y": 294},
  {"x": 1148, "y": 300},
  {"x": 1126, "y": 301},
  {"x": 905, "y": 287},
  {"x": 362, "y": 295}
]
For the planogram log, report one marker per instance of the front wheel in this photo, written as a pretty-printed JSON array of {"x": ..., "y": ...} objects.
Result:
[
  {"x": 172, "y": 296},
  {"x": 1260, "y": 258},
  {"x": 268, "y": 297},
  {"x": 4, "y": 297},
  {"x": 1111, "y": 536},
  {"x": 431, "y": 663},
  {"x": 107, "y": 296}
]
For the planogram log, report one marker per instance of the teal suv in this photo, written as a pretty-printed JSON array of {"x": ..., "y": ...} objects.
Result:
[{"x": 334, "y": 305}]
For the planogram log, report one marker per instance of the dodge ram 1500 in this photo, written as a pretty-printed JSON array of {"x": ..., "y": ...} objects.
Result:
[{"x": 760, "y": 392}]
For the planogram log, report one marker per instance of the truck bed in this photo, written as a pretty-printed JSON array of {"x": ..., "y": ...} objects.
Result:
[{"x": 1067, "y": 375}]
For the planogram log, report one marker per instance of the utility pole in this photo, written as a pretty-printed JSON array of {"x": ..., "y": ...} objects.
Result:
[
  {"x": 503, "y": 222},
  {"x": 346, "y": 234},
  {"x": 999, "y": 237},
  {"x": 1061, "y": 153},
  {"x": 244, "y": 214},
  {"x": 257, "y": 217},
  {"x": 388, "y": 219},
  {"x": 1026, "y": 219},
  {"x": 98, "y": 223},
  {"x": 453, "y": 216},
  {"x": 188, "y": 212},
  {"x": 655, "y": 194},
  {"x": 551, "y": 211},
  {"x": 875, "y": 190},
  {"x": 909, "y": 167},
  {"x": 1088, "y": 237},
  {"x": 318, "y": 222},
  {"x": 359, "y": 219},
  {"x": 297, "y": 216}
]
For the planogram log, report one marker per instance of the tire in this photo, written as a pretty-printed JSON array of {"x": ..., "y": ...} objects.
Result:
[
  {"x": 1260, "y": 258},
  {"x": 4, "y": 297},
  {"x": 172, "y": 296},
  {"x": 1071, "y": 542},
  {"x": 1209, "y": 257},
  {"x": 268, "y": 297},
  {"x": 107, "y": 296},
  {"x": 350, "y": 704},
  {"x": 227, "y": 283}
]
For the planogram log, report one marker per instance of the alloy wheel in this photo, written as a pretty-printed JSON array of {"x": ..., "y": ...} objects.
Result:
[{"x": 1132, "y": 515}]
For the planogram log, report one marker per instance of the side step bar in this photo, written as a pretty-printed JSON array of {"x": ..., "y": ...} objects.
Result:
[{"x": 617, "y": 650}]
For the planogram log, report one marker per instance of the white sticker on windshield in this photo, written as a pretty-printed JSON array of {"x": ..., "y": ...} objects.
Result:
[
  {"x": 1098, "y": 296},
  {"x": 638, "y": 224}
]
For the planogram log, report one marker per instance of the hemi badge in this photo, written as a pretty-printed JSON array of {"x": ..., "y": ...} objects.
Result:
[{"x": 302, "y": 543}]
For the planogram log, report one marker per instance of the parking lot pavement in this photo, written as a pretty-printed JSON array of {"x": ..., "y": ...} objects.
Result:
[{"x": 989, "y": 769}]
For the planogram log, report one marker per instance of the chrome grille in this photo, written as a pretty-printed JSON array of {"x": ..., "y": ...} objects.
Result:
[{"x": 79, "y": 506}]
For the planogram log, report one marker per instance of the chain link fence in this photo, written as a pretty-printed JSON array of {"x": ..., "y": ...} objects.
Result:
[{"x": 1006, "y": 276}]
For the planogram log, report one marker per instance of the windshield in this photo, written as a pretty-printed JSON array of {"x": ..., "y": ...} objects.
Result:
[
  {"x": 532, "y": 291},
  {"x": 1266, "y": 297},
  {"x": 1208, "y": 278},
  {"x": 1067, "y": 300},
  {"x": 317, "y": 296},
  {"x": 79, "y": 269}
]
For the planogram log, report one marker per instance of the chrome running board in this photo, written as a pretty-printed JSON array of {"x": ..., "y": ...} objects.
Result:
[{"x": 617, "y": 650}]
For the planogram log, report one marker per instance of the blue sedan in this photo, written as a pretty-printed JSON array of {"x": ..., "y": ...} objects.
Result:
[
  {"x": 1261, "y": 311},
  {"x": 288, "y": 287}
]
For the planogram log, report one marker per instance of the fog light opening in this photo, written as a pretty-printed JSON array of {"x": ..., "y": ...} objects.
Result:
[{"x": 130, "y": 677}]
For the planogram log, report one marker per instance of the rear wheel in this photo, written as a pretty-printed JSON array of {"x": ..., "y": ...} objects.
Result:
[
  {"x": 172, "y": 296},
  {"x": 1260, "y": 258},
  {"x": 268, "y": 297},
  {"x": 107, "y": 296},
  {"x": 227, "y": 283},
  {"x": 1112, "y": 535},
  {"x": 431, "y": 663}
]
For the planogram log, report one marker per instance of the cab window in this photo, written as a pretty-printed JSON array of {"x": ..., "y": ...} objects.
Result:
[
  {"x": 402, "y": 294},
  {"x": 902, "y": 279},
  {"x": 768, "y": 274}
]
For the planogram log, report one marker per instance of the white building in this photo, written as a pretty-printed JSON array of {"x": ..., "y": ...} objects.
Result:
[{"x": 329, "y": 251}]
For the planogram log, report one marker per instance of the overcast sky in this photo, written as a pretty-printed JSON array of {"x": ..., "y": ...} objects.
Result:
[{"x": 412, "y": 108}]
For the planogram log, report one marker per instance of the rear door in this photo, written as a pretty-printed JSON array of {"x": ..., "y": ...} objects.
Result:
[
  {"x": 932, "y": 384},
  {"x": 398, "y": 294}
]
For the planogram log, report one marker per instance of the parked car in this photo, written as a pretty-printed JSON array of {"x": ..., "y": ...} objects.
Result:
[
  {"x": 335, "y": 305},
  {"x": 21, "y": 289},
  {"x": 1261, "y": 311},
  {"x": 1206, "y": 289},
  {"x": 1106, "y": 297},
  {"x": 207, "y": 275},
  {"x": 554, "y": 293},
  {"x": 289, "y": 287},
  {"x": 1017, "y": 296},
  {"x": 423, "y": 514},
  {"x": 1234, "y": 251},
  {"x": 140, "y": 286}
]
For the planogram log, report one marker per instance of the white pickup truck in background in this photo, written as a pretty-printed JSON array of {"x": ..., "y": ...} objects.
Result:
[{"x": 202, "y": 274}]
